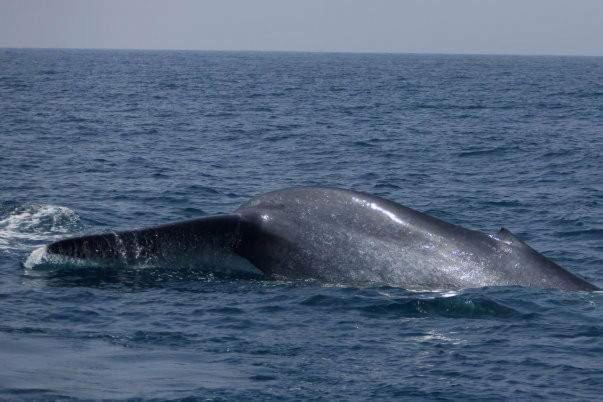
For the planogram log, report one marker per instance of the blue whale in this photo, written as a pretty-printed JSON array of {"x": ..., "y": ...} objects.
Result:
[{"x": 332, "y": 235}]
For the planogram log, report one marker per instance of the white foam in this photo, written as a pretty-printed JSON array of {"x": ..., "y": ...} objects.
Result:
[{"x": 27, "y": 225}]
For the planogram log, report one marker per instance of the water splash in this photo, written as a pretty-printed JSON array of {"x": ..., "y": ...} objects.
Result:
[
  {"x": 40, "y": 261},
  {"x": 23, "y": 226}
]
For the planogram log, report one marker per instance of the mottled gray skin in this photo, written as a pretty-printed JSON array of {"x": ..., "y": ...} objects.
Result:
[{"x": 339, "y": 236}]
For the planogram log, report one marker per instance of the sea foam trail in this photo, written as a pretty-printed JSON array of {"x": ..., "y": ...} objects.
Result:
[{"x": 23, "y": 226}]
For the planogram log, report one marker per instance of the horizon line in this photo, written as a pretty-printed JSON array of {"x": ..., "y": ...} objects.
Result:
[{"x": 426, "y": 53}]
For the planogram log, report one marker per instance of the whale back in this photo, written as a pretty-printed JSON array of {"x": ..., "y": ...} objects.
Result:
[
  {"x": 333, "y": 235},
  {"x": 204, "y": 244},
  {"x": 346, "y": 236}
]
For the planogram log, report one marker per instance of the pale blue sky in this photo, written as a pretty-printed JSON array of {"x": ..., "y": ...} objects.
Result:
[{"x": 424, "y": 26}]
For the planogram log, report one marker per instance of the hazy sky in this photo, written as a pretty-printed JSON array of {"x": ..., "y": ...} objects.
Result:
[{"x": 435, "y": 26}]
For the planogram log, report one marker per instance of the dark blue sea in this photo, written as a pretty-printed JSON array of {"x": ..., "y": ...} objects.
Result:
[{"x": 92, "y": 141}]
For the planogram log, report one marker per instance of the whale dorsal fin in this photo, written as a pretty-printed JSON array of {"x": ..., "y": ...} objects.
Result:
[{"x": 505, "y": 235}]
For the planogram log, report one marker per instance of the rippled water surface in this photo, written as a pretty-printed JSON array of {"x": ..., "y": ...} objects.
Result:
[{"x": 100, "y": 140}]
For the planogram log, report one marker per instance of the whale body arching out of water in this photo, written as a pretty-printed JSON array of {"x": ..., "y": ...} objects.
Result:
[{"x": 332, "y": 235}]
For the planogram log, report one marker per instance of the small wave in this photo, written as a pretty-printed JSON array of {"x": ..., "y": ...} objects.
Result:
[
  {"x": 485, "y": 152},
  {"x": 503, "y": 203},
  {"x": 23, "y": 226},
  {"x": 443, "y": 304},
  {"x": 451, "y": 307},
  {"x": 588, "y": 234}
]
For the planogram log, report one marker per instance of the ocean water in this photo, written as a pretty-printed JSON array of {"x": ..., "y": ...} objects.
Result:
[{"x": 101, "y": 140}]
